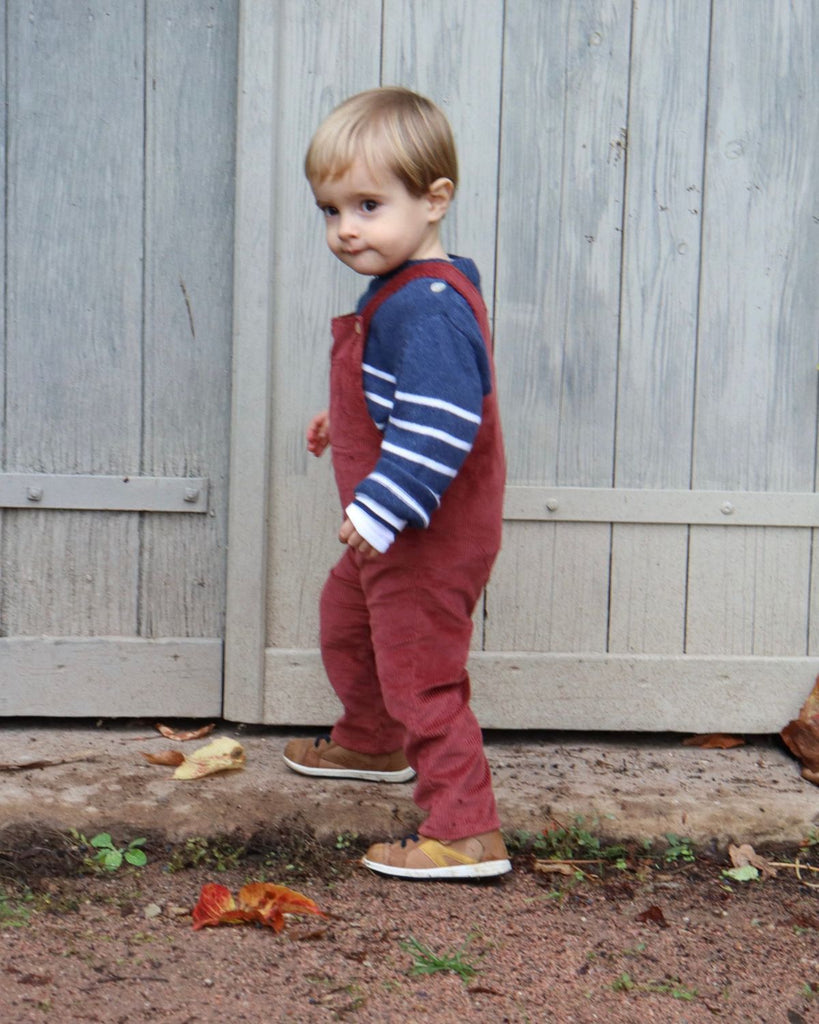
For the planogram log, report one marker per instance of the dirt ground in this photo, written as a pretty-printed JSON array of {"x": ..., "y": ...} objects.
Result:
[
  {"x": 655, "y": 937},
  {"x": 638, "y": 922}
]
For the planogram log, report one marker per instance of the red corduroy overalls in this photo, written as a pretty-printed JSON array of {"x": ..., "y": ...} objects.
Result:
[{"x": 395, "y": 630}]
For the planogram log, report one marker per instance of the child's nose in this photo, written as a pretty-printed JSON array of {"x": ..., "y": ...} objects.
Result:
[{"x": 346, "y": 226}]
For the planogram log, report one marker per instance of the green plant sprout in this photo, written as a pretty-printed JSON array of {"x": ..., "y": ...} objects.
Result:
[
  {"x": 110, "y": 857},
  {"x": 427, "y": 961},
  {"x": 678, "y": 849}
]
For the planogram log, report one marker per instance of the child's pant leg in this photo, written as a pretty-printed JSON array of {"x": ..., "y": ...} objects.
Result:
[
  {"x": 347, "y": 653},
  {"x": 421, "y": 624}
]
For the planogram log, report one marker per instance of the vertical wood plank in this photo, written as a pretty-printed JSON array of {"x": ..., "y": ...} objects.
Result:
[
  {"x": 190, "y": 140},
  {"x": 661, "y": 256},
  {"x": 559, "y": 254},
  {"x": 559, "y": 238},
  {"x": 321, "y": 60},
  {"x": 648, "y": 591},
  {"x": 756, "y": 406},
  {"x": 3, "y": 246},
  {"x": 250, "y": 440},
  {"x": 74, "y": 292},
  {"x": 751, "y": 585},
  {"x": 813, "y": 619},
  {"x": 546, "y": 582},
  {"x": 756, "y": 400}
]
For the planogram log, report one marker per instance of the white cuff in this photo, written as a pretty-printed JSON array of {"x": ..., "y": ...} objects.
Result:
[{"x": 376, "y": 534}]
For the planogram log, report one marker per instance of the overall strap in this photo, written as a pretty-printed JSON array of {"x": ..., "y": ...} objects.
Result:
[{"x": 440, "y": 270}]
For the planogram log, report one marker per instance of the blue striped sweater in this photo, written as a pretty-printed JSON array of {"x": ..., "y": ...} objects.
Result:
[{"x": 425, "y": 374}]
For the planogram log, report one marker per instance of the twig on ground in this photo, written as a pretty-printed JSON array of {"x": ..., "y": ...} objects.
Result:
[{"x": 25, "y": 766}]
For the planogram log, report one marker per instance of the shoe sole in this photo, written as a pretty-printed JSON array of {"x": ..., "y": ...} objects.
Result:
[
  {"x": 404, "y": 775},
  {"x": 485, "y": 869}
]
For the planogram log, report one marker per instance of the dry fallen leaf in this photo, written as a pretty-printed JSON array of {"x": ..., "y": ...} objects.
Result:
[
  {"x": 801, "y": 736},
  {"x": 258, "y": 902},
  {"x": 655, "y": 915},
  {"x": 741, "y": 856},
  {"x": 551, "y": 867},
  {"x": 219, "y": 755},
  {"x": 170, "y": 758},
  {"x": 182, "y": 737},
  {"x": 714, "y": 741}
]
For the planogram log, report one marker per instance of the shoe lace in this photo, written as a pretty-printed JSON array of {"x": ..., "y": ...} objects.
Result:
[
  {"x": 411, "y": 838},
  {"x": 324, "y": 738}
]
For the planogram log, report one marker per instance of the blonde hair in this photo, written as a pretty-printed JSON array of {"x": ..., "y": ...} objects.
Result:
[{"x": 390, "y": 128}]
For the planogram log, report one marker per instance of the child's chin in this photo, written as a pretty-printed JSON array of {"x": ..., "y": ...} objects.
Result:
[{"x": 366, "y": 264}]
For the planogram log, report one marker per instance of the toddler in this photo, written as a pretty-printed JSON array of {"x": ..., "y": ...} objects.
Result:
[{"x": 418, "y": 459}]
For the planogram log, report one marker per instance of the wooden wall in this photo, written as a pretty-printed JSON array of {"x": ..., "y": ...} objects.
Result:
[
  {"x": 638, "y": 188},
  {"x": 118, "y": 133}
]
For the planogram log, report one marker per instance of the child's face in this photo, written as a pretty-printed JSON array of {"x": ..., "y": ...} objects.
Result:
[{"x": 374, "y": 224}]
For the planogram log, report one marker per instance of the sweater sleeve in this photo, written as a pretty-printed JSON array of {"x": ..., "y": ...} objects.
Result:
[{"x": 431, "y": 393}]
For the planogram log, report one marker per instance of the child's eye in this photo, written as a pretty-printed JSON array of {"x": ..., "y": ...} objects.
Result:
[
  {"x": 328, "y": 211},
  {"x": 369, "y": 205}
]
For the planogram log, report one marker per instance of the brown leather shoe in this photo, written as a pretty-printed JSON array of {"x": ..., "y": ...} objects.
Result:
[
  {"x": 321, "y": 757},
  {"x": 480, "y": 856}
]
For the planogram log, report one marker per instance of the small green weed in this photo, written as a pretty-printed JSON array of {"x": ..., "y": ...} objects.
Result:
[
  {"x": 427, "y": 961},
  {"x": 109, "y": 856},
  {"x": 678, "y": 849},
  {"x": 14, "y": 912},
  {"x": 811, "y": 839},
  {"x": 670, "y": 986},
  {"x": 568, "y": 842},
  {"x": 346, "y": 840},
  {"x": 218, "y": 854}
]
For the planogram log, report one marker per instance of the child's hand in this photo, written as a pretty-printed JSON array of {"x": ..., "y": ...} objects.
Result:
[
  {"x": 318, "y": 433},
  {"x": 348, "y": 535}
]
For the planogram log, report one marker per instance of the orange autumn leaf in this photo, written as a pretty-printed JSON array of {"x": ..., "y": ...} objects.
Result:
[
  {"x": 272, "y": 902},
  {"x": 714, "y": 741},
  {"x": 214, "y": 902},
  {"x": 182, "y": 737},
  {"x": 172, "y": 758},
  {"x": 259, "y": 902}
]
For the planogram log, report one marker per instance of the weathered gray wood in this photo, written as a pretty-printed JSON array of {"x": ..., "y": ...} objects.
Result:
[
  {"x": 103, "y": 493},
  {"x": 3, "y": 340},
  {"x": 73, "y": 676},
  {"x": 652, "y": 505},
  {"x": 247, "y": 585},
  {"x": 547, "y": 592},
  {"x": 559, "y": 249},
  {"x": 813, "y": 623},
  {"x": 648, "y": 572},
  {"x": 661, "y": 243},
  {"x": 588, "y": 692},
  {"x": 751, "y": 590},
  {"x": 661, "y": 262},
  {"x": 190, "y": 159},
  {"x": 559, "y": 237},
  {"x": 74, "y": 290},
  {"x": 756, "y": 382}
]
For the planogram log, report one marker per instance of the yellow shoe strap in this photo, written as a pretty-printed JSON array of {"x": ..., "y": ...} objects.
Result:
[{"x": 442, "y": 856}]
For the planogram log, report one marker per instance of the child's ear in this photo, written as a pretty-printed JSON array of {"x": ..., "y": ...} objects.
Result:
[{"x": 439, "y": 196}]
